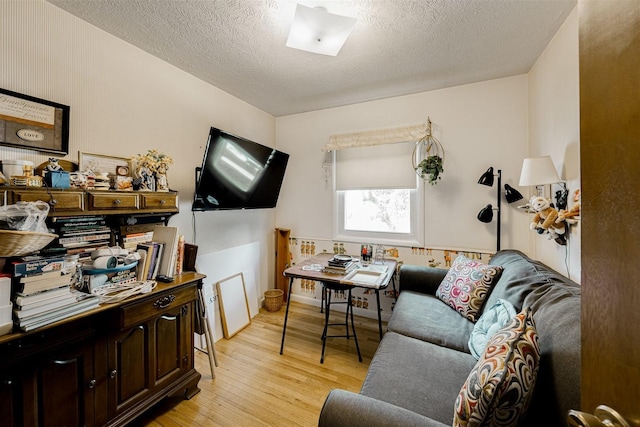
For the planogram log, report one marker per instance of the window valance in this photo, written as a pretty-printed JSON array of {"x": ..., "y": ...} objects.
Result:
[{"x": 411, "y": 133}]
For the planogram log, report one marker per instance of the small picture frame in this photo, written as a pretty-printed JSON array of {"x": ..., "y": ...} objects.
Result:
[
  {"x": 33, "y": 123},
  {"x": 100, "y": 164}
]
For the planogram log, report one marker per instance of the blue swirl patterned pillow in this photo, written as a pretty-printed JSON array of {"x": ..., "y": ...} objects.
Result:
[{"x": 489, "y": 323}]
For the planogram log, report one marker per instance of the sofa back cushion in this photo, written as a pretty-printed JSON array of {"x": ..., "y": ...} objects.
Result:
[
  {"x": 520, "y": 276},
  {"x": 556, "y": 310}
]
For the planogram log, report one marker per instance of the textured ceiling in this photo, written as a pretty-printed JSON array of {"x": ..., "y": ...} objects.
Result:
[{"x": 397, "y": 47}]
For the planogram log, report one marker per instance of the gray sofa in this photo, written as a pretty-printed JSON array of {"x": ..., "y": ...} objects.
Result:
[{"x": 423, "y": 359}]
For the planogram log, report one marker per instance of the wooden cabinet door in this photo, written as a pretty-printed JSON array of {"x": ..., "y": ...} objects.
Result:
[
  {"x": 10, "y": 401},
  {"x": 172, "y": 344},
  {"x": 146, "y": 357},
  {"x": 60, "y": 390},
  {"x": 129, "y": 362}
]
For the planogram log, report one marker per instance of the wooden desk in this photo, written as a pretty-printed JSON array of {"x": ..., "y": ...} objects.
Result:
[{"x": 300, "y": 271}]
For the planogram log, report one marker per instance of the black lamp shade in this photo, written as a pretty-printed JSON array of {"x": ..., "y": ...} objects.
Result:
[
  {"x": 487, "y": 178},
  {"x": 486, "y": 214},
  {"x": 511, "y": 194}
]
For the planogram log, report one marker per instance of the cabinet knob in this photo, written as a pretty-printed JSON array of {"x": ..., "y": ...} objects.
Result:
[
  {"x": 164, "y": 302},
  {"x": 117, "y": 201},
  {"x": 53, "y": 202},
  {"x": 113, "y": 374},
  {"x": 163, "y": 201},
  {"x": 92, "y": 383}
]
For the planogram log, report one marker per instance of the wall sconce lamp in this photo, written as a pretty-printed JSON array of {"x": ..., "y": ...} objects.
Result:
[
  {"x": 538, "y": 171},
  {"x": 318, "y": 31},
  {"x": 511, "y": 194}
]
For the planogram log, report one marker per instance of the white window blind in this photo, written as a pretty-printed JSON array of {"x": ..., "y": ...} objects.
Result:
[{"x": 376, "y": 167}]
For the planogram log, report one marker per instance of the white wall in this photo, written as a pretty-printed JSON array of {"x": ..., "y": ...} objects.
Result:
[
  {"x": 479, "y": 125},
  {"x": 554, "y": 129},
  {"x": 123, "y": 102}
]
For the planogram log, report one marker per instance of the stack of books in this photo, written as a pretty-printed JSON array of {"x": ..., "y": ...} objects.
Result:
[
  {"x": 160, "y": 256},
  {"x": 130, "y": 241},
  {"x": 46, "y": 297},
  {"x": 340, "y": 264},
  {"x": 81, "y": 234}
]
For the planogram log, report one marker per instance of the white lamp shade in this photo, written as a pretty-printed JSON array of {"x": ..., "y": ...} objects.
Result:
[
  {"x": 318, "y": 31},
  {"x": 538, "y": 171}
]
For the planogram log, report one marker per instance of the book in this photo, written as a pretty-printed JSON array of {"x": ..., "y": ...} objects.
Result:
[
  {"x": 169, "y": 237},
  {"x": 92, "y": 237},
  {"x": 43, "y": 285},
  {"x": 180, "y": 255},
  {"x": 157, "y": 257},
  {"x": 84, "y": 302},
  {"x": 34, "y": 310},
  {"x": 22, "y": 300},
  {"x": 145, "y": 261},
  {"x": 37, "y": 264},
  {"x": 40, "y": 276},
  {"x": 190, "y": 256}
]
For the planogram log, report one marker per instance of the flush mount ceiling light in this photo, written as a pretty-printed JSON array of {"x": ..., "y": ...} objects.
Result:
[{"x": 318, "y": 31}]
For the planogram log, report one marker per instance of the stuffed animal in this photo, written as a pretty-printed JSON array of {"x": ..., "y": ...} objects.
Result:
[
  {"x": 545, "y": 218},
  {"x": 567, "y": 215}
]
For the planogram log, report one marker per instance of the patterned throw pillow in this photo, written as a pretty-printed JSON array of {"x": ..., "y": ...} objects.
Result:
[
  {"x": 466, "y": 286},
  {"x": 499, "y": 387}
]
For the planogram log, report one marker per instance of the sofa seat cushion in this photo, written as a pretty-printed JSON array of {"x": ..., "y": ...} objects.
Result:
[
  {"x": 467, "y": 285},
  {"x": 417, "y": 375},
  {"x": 498, "y": 389},
  {"x": 425, "y": 317}
]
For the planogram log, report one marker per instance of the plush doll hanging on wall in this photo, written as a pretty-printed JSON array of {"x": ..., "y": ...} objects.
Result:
[
  {"x": 544, "y": 221},
  {"x": 567, "y": 215}
]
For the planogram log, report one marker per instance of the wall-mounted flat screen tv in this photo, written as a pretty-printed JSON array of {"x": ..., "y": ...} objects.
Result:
[{"x": 238, "y": 174}]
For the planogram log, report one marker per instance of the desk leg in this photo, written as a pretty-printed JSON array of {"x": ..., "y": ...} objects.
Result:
[
  {"x": 286, "y": 314},
  {"x": 379, "y": 312}
]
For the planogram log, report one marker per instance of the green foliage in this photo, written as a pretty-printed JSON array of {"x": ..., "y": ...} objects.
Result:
[{"x": 430, "y": 169}]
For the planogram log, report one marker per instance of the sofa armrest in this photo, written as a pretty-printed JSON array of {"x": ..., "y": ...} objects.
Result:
[
  {"x": 419, "y": 278},
  {"x": 344, "y": 408}
]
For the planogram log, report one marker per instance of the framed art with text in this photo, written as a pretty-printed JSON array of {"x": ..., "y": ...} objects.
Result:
[{"x": 33, "y": 123}]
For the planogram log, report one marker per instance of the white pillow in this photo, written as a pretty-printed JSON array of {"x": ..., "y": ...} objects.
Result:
[{"x": 489, "y": 323}]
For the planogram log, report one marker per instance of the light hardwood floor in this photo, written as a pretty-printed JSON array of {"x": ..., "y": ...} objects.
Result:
[{"x": 256, "y": 386}]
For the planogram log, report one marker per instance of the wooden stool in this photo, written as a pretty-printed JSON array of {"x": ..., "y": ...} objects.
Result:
[{"x": 328, "y": 287}]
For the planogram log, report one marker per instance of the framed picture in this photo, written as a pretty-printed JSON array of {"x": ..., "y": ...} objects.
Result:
[
  {"x": 33, "y": 123},
  {"x": 100, "y": 164},
  {"x": 234, "y": 307}
]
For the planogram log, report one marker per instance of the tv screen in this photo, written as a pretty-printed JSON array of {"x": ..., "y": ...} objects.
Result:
[{"x": 238, "y": 174}]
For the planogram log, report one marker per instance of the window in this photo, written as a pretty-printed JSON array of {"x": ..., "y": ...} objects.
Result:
[{"x": 378, "y": 196}]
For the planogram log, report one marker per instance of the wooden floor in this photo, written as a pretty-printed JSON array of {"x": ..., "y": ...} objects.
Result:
[{"x": 256, "y": 386}]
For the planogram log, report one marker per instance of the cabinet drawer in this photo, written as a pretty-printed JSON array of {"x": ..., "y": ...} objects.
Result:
[
  {"x": 137, "y": 312},
  {"x": 159, "y": 201},
  {"x": 58, "y": 201},
  {"x": 113, "y": 201}
]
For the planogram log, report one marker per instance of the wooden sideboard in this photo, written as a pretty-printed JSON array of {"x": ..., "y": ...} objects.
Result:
[
  {"x": 108, "y": 365},
  {"x": 105, "y": 366}
]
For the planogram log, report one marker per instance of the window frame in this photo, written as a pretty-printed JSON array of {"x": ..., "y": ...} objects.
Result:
[{"x": 413, "y": 239}]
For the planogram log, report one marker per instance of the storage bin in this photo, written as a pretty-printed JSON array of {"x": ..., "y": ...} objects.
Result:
[{"x": 273, "y": 299}]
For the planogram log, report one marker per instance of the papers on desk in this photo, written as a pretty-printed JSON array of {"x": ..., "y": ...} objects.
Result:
[{"x": 369, "y": 276}]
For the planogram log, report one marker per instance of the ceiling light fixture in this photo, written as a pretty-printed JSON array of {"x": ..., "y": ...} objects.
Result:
[{"x": 318, "y": 31}]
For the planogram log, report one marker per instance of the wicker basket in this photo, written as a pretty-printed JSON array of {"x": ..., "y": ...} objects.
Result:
[
  {"x": 273, "y": 299},
  {"x": 19, "y": 243}
]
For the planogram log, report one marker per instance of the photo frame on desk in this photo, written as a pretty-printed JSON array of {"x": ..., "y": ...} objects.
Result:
[
  {"x": 234, "y": 306},
  {"x": 33, "y": 123},
  {"x": 100, "y": 163}
]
